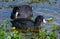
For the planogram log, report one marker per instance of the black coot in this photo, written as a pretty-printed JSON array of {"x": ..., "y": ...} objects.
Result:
[
  {"x": 24, "y": 11},
  {"x": 27, "y": 23}
]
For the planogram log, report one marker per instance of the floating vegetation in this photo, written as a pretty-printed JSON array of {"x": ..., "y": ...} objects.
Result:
[
  {"x": 44, "y": 0},
  {"x": 49, "y": 19},
  {"x": 37, "y": 1},
  {"x": 2, "y": 27},
  {"x": 6, "y": 0},
  {"x": 2, "y": 33},
  {"x": 6, "y": 22},
  {"x": 12, "y": 6},
  {"x": 58, "y": 28},
  {"x": 33, "y": 1},
  {"x": 13, "y": 0},
  {"x": 0, "y": 7},
  {"x": 53, "y": 27},
  {"x": 51, "y": 35},
  {"x": 15, "y": 34}
]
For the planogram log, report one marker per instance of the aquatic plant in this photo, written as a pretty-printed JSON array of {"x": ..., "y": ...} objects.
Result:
[
  {"x": 13, "y": 28},
  {"x": 11, "y": 6},
  {"x": 42, "y": 35},
  {"x": 53, "y": 27},
  {"x": 2, "y": 33},
  {"x": 6, "y": 22},
  {"x": 58, "y": 28},
  {"x": 2, "y": 27},
  {"x": 50, "y": 19},
  {"x": 13, "y": 0},
  {"x": 37, "y": 1},
  {"x": 14, "y": 36},
  {"x": 51, "y": 35},
  {"x": 48, "y": 37},
  {"x": 6, "y": 0},
  {"x": 0, "y": 7},
  {"x": 33, "y": 1},
  {"x": 45, "y": 0}
]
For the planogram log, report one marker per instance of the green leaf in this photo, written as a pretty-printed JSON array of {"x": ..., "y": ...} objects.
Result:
[
  {"x": 6, "y": 21},
  {"x": 9, "y": 37},
  {"x": 52, "y": 34},
  {"x": 2, "y": 27},
  {"x": 1, "y": 37},
  {"x": 2, "y": 33},
  {"x": 48, "y": 37}
]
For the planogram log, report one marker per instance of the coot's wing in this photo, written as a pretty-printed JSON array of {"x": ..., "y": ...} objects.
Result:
[
  {"x": 28, "y": 24},
  {"x": 23, "y": 23},
  {"x": 16, "y": 24}
]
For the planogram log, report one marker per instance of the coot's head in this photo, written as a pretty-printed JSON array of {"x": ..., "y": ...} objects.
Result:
[
  {"x": 14, "y": 12},
  {"x": 39, "y": 19},
  {"x": 24, "y": 11}
]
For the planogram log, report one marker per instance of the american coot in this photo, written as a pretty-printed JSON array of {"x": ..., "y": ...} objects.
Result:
[
  {"x": 27, "y": 23},
  {"x": 24, "y": 11}
]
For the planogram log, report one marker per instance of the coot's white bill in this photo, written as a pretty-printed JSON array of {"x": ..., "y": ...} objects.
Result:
[
  {"x": 44, "y": 21},
  {"x": 16, "y": 14}
]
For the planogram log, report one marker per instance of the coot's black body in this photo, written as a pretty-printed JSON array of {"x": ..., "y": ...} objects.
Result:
[
  {"x": 24, "y": 11},
  {"x": 22, "y": 23},
  {"x": 27, "y": 23}
]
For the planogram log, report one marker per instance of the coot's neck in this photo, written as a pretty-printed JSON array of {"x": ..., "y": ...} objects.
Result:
[{"x": 37, "y": 23}]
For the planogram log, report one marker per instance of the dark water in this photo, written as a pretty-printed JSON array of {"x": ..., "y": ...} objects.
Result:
[{"x": 47, "y": 10}]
